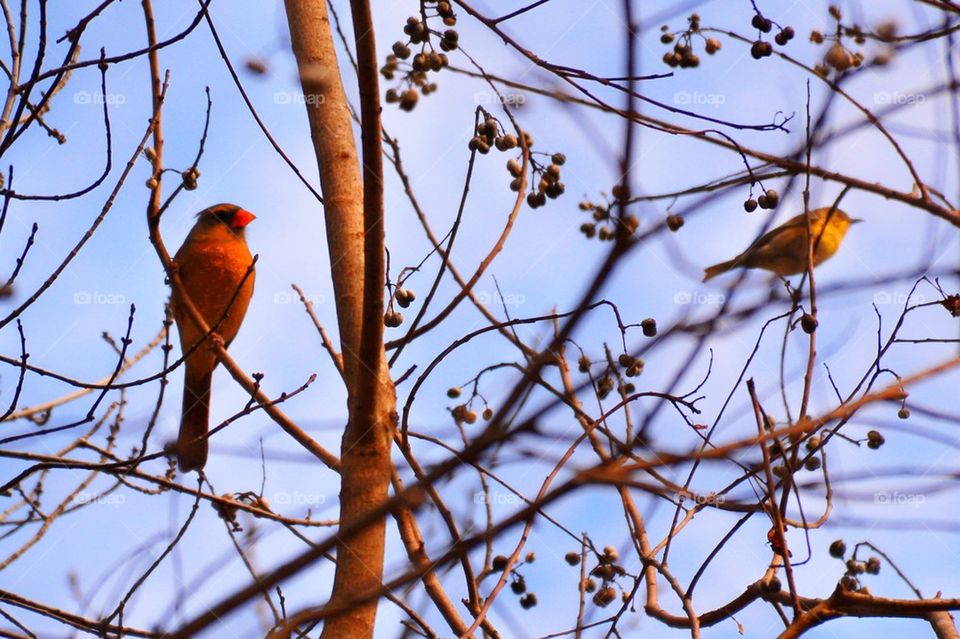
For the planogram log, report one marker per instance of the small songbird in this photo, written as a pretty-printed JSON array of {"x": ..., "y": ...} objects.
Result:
[
  {"x": 783, "y": 250},
  {"x": 216, "y": 273}
]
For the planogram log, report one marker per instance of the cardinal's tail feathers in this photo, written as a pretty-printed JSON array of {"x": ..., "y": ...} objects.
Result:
[{"x": 192, "y": 441}]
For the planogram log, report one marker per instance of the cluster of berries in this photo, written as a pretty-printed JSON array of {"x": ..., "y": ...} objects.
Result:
[
  {"x": 603, "y": 226},
  {"x": 607, "y": 570},
  {"x": 518, "y": 585},
  {"x": 415, "y": 81},
  {"x": 767, "y": 201},
  {"x": 762, "y": 48},
  {"x": 683, "y": 54},
  {"x": 404, "y": 297},
  {"x": 854, "y": 567},
  {"x": 462, "y": 413}
]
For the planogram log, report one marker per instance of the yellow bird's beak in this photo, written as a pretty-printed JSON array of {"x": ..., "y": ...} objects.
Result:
[{"x": 855, "y": 220}]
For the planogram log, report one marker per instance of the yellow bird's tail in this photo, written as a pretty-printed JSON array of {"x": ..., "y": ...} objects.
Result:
[{"x": 712, "y": 271}]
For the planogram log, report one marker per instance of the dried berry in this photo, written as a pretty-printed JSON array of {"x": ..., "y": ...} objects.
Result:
[
  {"x": 401, "y": 50},
  {"x": 855, "y": 567},
  {"x": 190, "y": 177},
  {"x": 604, "y": 571},
  {"x": 761, "y": 23},
  {"x": 838, "y": 57},
  {"x": 405, "y": 297},
  {"x": 256, "y": 66},
  {"x": 838, "y": 549},
  {"x": 635, "y": 369},
  {"x": 605, "y": 596},
  {"x": 649, "y": 327},
  {"x": 392, "y": 319},
  {"x": 408, "y": 99},
  {"x": 784, "y": 36}
]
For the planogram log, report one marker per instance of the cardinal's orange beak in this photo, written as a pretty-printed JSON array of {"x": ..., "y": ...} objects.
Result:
[{"x": 241, "y": 218}]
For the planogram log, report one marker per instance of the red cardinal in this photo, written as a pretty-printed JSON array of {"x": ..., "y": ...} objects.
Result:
[{"x": 212, "y": 263}]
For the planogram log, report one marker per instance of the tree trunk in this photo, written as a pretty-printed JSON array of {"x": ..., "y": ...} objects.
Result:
[{"x": 356, "y": 260}]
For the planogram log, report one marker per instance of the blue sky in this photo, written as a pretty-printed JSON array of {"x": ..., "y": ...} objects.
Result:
[{"x": 545, "y": 265}]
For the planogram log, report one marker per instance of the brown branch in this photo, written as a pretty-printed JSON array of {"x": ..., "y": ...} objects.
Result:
[
  {"x": 353, "y": 213},
  {"x": 94, "y": 627}
]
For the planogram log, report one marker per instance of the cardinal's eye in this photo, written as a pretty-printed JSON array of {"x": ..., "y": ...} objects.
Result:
[{"x": 225, "y": 217}]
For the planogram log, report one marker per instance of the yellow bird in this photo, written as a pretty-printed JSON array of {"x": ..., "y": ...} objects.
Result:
[{"x": 783, "y": 250}]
